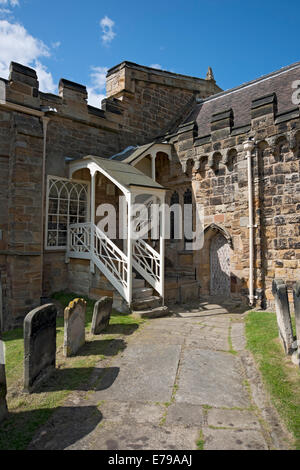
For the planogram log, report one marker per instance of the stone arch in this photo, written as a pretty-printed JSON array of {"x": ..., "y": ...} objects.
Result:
[
  {"x": 215, "y": 228},
  {"x": 281, "y": 148},
  {"x": 174, "y": 199},
  {"x": 297, "y": 142},
  {"x": 216, "y": 161},
  {"x": 231, "y": 159},
  {"x": 187, "y": 165}
]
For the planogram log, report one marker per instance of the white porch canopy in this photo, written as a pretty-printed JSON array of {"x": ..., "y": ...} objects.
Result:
[{"x": 88, "y": 242}]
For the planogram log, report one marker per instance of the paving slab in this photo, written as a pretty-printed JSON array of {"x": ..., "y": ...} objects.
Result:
[
  {"x": 131, "y": 412},
  {"x": 143, "y": 437},
  {"x": 238, "y": 336},
  {"x": 241, "y": 419},
  {"x": 237, "y": 439},
  {"x": 185, "y": 414},
  {"x": 160, "y": 337},
  {"x": 208, "y": 342},
  {"x": 146, "y": 372},
  {"x": 213, "y": 378}
]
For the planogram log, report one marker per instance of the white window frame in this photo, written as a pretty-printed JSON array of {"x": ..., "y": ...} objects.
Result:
[{"x": 58, "y": 178}]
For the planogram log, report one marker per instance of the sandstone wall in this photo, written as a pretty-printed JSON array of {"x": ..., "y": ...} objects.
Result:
[
  {"x": 148, "y": 102},
  {"x": 153, "y": 100},
  {"x": 217, "y": 166}
]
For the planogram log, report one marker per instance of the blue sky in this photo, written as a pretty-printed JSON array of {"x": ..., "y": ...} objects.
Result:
[{"x": 240, "y": 40}]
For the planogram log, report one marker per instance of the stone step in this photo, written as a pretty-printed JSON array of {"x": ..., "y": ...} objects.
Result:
[
  {"x": 138, "y": 283},
  {"x": 153, "y": 313},
  {"x": 142, "y": 293},
  {"x": 146, "y": 304}
]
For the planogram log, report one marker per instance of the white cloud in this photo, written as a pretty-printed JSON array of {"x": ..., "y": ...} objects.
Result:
[
  {"x": 97, "y": 88},
  {"x": 94, "y": 98},
  {"x": 56, "y": 44},
  {"x": 17, "y": 45},
  {"x": 45, "y": 78},
  {"x": 156, "y": 66},
  {"x": 107, "y": 26},
  {"x": 12, "y": 3}
]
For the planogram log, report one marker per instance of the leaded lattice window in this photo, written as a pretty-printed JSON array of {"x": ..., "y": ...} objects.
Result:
[{"x": 67, "y": 204}]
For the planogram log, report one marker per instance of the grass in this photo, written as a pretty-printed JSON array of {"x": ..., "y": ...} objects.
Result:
[
  {"x": 29, "y": 412},
  {"x": 280, "y": 375},
  {"x": 200, "y": 442}
]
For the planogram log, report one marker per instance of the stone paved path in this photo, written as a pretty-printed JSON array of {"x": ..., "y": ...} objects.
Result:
[{"x": 181, "y": 379}]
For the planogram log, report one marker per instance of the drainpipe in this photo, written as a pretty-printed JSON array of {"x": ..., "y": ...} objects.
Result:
[
  {"x": 45, "y": 121},
  {"x": 248, "y": 147}
]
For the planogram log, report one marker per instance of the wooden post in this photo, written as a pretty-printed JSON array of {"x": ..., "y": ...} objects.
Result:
[
  {"x": 162, "y": 246},
  {"x": 129, "y": 248},
  {"x": 93, "y": 209}
]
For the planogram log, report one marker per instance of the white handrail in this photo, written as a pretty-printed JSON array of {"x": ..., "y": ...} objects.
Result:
[
  {"x": 109, "y": 259},
  {"x": 103, "y": 252},
  {"x": 147, "y": 262}
]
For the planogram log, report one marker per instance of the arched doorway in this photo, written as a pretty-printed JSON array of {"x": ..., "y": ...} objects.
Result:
[{"x": 219, "y": 266}]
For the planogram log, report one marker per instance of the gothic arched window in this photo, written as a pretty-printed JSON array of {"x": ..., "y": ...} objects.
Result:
[
  {"x": 67, "y": 203},
  {"x": 188, "y": 216},
  {"x": 174, "y": 200}
]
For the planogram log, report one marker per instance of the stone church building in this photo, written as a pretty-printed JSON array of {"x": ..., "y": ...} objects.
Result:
[{"x": 158, "y": 136}]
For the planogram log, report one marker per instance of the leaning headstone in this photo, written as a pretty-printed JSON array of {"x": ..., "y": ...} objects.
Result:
[
  {"x": 39, "y": 345},
  {"x": 3, "y": 390},
  {"x": 101, "y": 315},
  {"x": 296, "y": 295},
  {"x": 283, "y": 316},
  {"x": 74, "y": 330}
]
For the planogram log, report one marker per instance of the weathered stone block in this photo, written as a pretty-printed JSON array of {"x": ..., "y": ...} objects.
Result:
[
  {"x": 39, "y": 345},
  {"x": 74, "y": 326},
  {"x": 101, "y": 315},
  {"x": 280, "y": 293},
  {"x": 296, "y": 295},
  {"x": 3, "y": 404}
]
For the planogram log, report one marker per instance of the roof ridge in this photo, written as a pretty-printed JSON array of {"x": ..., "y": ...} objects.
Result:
[{"x": 250, "y": 83}]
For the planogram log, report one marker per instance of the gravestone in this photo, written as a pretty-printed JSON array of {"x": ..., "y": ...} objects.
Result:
[
  {"x": 101, "y": 315},
  {"x": 283, "y": 316},
  {"x": 3, "y": 404},
  {"x": 296, "y": 295},
  {"x": 39, "y": 345},
  {"x": 74, "y": 326}
]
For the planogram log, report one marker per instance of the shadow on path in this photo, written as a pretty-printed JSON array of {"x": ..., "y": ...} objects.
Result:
[
  {"x": 66, "y": 426},
  {"x": 105, "y": 347},
  {"x": 67, "y": 379},
  {"x": 120, "y": 329}
]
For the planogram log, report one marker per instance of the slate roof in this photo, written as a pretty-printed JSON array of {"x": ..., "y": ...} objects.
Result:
[
  {"x": 131, "y": 153},
  {"x": 127, "y": 175},
  {"x": 240, "y": 98}
]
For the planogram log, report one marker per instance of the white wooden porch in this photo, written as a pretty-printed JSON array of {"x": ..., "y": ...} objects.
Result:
[{"x": 87, "y": 241}]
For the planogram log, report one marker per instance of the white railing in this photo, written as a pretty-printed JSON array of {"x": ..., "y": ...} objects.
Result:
[
  {"x": 147, "y": 262},
  {"x": 88, "y": 242},
  {"x": 111, "y": 261},
  {"x": 79, "y": 238}
]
